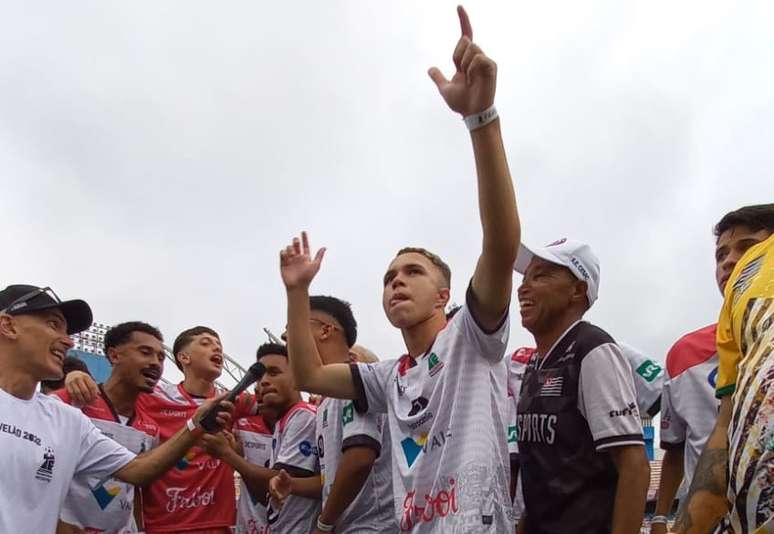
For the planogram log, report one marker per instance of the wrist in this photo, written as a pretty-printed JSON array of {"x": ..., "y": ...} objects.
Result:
[
  {"x": 478, "y": 120},
  {"x": 194, "y": 428},
  {"x": 323, "y": 525},
  {"x": 659, "y": 520}
]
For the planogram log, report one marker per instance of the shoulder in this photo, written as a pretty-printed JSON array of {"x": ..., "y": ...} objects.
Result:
[
  {"x": 301, "y": 413},
  {"x": 60, "y": 410},
  {"x": 522, "y": 355},
  {"x": 62, "y": 395},
  {"x": 692, "y": 349},
  {"x": 588, "y": 337},
  {"x": 253, "y": 423}
]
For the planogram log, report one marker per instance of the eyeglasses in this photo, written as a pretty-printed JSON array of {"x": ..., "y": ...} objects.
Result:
[{"x": 24, "y": 299}]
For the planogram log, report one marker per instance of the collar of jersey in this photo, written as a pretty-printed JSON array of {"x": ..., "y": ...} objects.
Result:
[{"x": 542, "y": 359}]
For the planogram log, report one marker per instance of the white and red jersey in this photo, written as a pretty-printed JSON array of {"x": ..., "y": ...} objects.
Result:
[
  {"x": 447, "y": 414},
  {"x": 339, "y": 427},
  {"x": 516, "y": 368},
  {"x": 294, "y": 450},
  {"x": 108, "y": 505},
  {"x": 198, "y": 493},
  {"x": 256, "y": 438},
  {"x": 688, "y": 404}
]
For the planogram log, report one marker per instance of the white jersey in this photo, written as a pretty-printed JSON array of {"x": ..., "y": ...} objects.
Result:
[
  {"x": 45, "y": 444},
  {"x": 648, "y": 379},
  {"x": 108, "y": 506},
  {"x": 516, "y": 368},
  {"x": 340, "y": 426},
  {"x": 447, "y": 414},
  {"x": 256, "y": 440},
  {"x": 688, "y": 405},
  {"x": 294, "y": 451}
]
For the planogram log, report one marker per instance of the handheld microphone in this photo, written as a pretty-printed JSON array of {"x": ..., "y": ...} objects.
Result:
[{"x": 254, "y": 373}]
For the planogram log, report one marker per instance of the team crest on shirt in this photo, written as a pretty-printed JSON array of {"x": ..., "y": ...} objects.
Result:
[
  {"x": 434, "y": 364},
  {"x": 46, "y": 470}
]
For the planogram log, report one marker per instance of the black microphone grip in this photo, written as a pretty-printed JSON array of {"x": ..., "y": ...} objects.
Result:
[{"x": 210, "y": 420}]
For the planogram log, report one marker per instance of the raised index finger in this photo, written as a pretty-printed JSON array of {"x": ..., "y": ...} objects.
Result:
[
  {"x": 305, "y": 243},
  {"x": 467, "y": 29}
]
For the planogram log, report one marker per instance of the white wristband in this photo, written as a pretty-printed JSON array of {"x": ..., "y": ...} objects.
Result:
[
  {"x": 324, "y": 527},
  {"x": 191, "y": 425},
  {"x": 659, "y": 520},
  {"x": 477, "y": 120}
]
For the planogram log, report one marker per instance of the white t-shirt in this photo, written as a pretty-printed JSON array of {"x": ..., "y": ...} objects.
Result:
[
  {"x": 688, "y": 405},
  {"x": 648, "y": 379},
  {"x": 46, "y": 443},
  {"x": 293, "y": 449},
  {"x": 447, "y": 414},
  {"x": 340, "y": 426},
  {"x": 256, "y": 441}
]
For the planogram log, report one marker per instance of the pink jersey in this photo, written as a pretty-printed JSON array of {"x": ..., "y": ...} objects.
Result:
[{"x": 197, "y": 494}]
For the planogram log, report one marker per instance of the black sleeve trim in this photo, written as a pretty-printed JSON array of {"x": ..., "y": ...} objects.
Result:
[
  {"x": 294, "y": 471},
  {"x": 361, "y": 440},
  {"x": 361, "y": 401},
  {"x": 618, "y": 439},
  {"x": 655, "y": 407},
  {"x": 514, "y": 457},
  {"x": 672, "y": 446},
  {"x": 472, "y": 303}
]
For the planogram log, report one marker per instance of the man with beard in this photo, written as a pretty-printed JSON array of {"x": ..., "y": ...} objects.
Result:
[{"x": 136, "y": 354}]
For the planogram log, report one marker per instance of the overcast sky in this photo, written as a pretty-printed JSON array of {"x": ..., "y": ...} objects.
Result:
[{"x": 155, "y": 156}]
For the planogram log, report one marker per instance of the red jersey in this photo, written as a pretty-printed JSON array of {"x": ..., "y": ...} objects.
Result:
[{"x": 197, "y": 495}]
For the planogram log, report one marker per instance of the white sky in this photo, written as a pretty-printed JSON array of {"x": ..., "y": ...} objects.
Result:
[{"x": 154, "y": 157}]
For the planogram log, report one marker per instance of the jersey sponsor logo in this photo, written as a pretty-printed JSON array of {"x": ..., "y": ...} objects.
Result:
[
  {"x": 195, "y": 499},
  {"x": 400, "y": 387},
  {"x": 431, "y": 508},
  {"x": 649, "y": 370},
  {"x": 46, "y": 470},
  {"x": 348, "y": 413},
  {"x": 173, "y": 413},
  {"x": 552, "y": 387},
  {"x": 320, "y": 447},
  {"x": 712, "y": 378},
  {"x": 412, "y": 448},
  {"x": 183, "y": 462},
  {"x": 325, "y": 418},
  {"x": 513, "y": 435},
  {"x": 536, "y": 428},
  {"x": 255, "y": 445},
  {"x": 424, "y": 418},
  {"x": 631, "y": 409},
  {"x": 306, "y": 448},
  {"x": 104, "y": 495},
  {"x": 417, "y": 405},
  {"x": 434, "y": 364}
]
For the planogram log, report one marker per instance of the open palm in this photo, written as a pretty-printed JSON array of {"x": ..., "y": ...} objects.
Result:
[{"x": 297, "y": 266}]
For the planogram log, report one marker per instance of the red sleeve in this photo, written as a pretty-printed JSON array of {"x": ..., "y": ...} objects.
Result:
[
  {"x": 244, "y": 405},
  {"x": 63, "y": 395}
]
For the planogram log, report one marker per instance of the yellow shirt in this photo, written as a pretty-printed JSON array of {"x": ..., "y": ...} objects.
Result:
[
  {"x": 745, "y": 322},
  {"x": 745, "y": 338}
]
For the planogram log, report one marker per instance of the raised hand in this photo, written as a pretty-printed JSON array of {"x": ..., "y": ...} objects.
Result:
[
  {"x": 297, "y": 266},
  {"x": 472, "y": 88}
]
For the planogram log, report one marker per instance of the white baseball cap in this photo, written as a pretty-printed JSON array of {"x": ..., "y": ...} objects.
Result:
[{"x": 576, "y": 256}]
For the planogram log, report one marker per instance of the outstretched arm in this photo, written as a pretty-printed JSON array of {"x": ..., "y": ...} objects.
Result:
[
  {"x": 298, "y": 270},
  {"x": 470, "y": 92}
]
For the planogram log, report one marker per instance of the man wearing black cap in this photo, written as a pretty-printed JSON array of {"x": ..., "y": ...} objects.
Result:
[
  {"x": 46, "y": 443},
  {"x": 582, "y": 455}
]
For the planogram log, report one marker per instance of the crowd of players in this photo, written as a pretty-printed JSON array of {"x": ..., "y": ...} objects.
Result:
[{"x": 452, "y": 437}]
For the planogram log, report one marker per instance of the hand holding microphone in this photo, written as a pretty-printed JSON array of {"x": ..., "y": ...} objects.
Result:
[{"x": 209, "y": 422}]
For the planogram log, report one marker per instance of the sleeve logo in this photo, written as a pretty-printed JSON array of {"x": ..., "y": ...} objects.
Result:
[
  {"x": 305, "y": 448},
  {"x": 348, "y": 414},
  {"x": 434, "y": 364},
  {"x": 649, "y": 370}
]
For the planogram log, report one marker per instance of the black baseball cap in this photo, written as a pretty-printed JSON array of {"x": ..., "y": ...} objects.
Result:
[{"x": 21, "y": 299}]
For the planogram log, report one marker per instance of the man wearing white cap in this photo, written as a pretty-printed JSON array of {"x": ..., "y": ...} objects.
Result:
[{"x": 583, "y": 461}]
